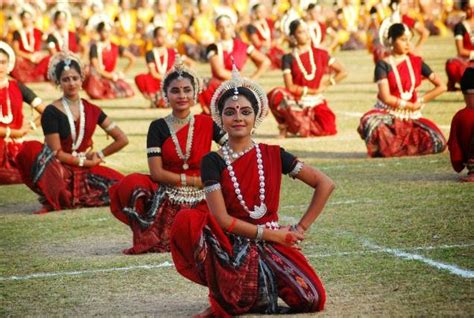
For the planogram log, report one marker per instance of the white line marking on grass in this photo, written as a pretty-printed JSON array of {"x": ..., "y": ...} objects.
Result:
[
  {"x": 91, "y": 271},
  {"x": 453, "y": 269}
]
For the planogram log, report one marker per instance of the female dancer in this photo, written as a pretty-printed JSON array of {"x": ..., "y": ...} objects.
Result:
[
  {"x": 395, "y": 126},
  {"x": 238, "y": 249},
  {"x": 461, "y": 136},
  {"x": 222, "y": 53},
  {"x": 12, "y": 124},
  {"x": 300, "y": 107},
  {"x": 262, "y": 34},
  {"x": 67, "y": 159},
  {"x": 175, "y": 145},
  {"x": 103, "y": 81},
  {"x": 464, "y": 40},
  {"x": 61, "y": 39},
  {"x": 159, "y": 61},
  {"x": 31, "y": 63}
]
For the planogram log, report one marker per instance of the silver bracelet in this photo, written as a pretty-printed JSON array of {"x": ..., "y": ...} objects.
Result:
[
  {"x": 183, "y": 179},
  {"x": 259, "y": 235},
  {"x": 293, "y": 173},
  {"x": 81, "y": 161},
  {"x": 101, "y": 155},
  {"x": 212, "y": 188}
]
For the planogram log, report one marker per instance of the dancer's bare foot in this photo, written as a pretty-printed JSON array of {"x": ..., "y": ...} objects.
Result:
[
  {"x": 206, "y": 313},
  {"x": 283, "y": 131}
]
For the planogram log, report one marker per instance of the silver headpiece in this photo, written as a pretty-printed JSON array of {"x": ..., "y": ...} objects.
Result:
[
  {"x": 233, "y": 84},
  {"x": 64, "y": 56},
  {"x": 180, "y": 69},
  {"x": 385, "y": 26},
  {"x": 11, "y": 55}
]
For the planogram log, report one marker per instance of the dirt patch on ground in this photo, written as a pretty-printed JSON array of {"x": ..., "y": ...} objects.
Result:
[{"x": 19, "y": 208}]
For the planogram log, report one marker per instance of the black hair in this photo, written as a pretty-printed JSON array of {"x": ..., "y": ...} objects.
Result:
[
  {"x": 373, "y": 10},
  {"x": 2, "y": 51},
  {"x": 58, "y": 71},
  {"x": 174, "y": 75},
  {"x": 156, "y": 30},
  {"x": 57, "y": 13},
  {"x": 101, "y": 26},
  {"x": 23, "y": 12},
  {"x": 220, "y": 17},
  {"x": 464, "y": 5},
  {"x": 255, "y": 7},
  {"x": 395, "y": 31},
  {"x": 394, "y": 4},
  {"x": 311, "y": 6},
  {"x": 244, "y": 91},
  {"x": 467, "y": 79},
  {"x": 294, "y": 25}
]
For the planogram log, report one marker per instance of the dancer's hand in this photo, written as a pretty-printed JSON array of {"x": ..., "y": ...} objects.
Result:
[{"x": 287, "y": 238}]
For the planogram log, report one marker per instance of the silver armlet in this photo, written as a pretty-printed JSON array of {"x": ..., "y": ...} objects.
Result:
[
  {"x": 293, "y": 173},
  {"x": 110, "y": 127},
  {"x": 212, "y": 188}
]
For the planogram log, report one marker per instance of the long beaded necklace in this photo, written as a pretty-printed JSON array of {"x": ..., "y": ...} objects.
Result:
[
  {"x": 101, "y": 46},
  {"x": 171, "y": 121},
  {"x": 264, "y": 30},
  {"x": 27, "y": 40},
  {"x": 405, "y": 95},
  {"x": 161, "y": 67},
  {"x": 62, "y": 36},
  {"x": 237, "y": 155},
  {"x": 315, "y": 33},
  {"x": 312, "y": 75},
  {"x": 8, "y": 118},
  {"x": 258, "y": 211},
  {"x": 222, "y": 46},
  {"x": 76, "y": 142}
]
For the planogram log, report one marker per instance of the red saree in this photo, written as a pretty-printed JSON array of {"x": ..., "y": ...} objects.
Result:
[
  {"x": 461, "y": 140},
  {"x": 146, "y": 206},
  {"x": 456, "y": 66},
  {"x": 243, "y": 275},
  {"x": 25, "y": 70},
  {"x": 239, "y": 54},
  {"x": 274, "y": 53},
  {"x": 9, "y": 148},
  {"x": 304, "y": 116},
  {"x": 98, "y": 87},
  {"x": 388, "y": 134},
  {"x": 150, "y": 86},
  {"x": 74, "y": 186}
]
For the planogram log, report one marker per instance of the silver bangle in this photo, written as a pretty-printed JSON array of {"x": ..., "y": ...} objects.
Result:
[
  {"x": 403, "y": 103},
  {"x": 183, "y": 179},
  {"x": 293, "y": 173},
  {"x": 8, "y": 132},
  {"x": 259, "y": 235},
  {"x": 81, "y": 161},
  {"x": 212, "y": 188},
  {"x": 101, "y": 155}
]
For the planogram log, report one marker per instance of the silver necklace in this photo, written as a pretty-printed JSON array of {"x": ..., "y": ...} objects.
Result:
[
  {"x": 258, "y": 211},
  {"x": 76, "y": 142},
  {"x": 8, "y": 118},
  {"x": 405, "y": 95},
  {"x": 237, "y": 155},
  {"x": 170, "y": 121}
]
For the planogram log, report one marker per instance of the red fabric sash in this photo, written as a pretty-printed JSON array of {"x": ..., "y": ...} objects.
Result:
[
  {"x": 110, "y": 57},
  {"x": 239, "y": 53},
  {"x": 92, "y": 113},
  {"x": 247, "y": 174},
  {"x": 321, "y": 58},
  {"x": 402, "y": 68},
  {"x": 16, "y": 102},
  {"x": 201, "y": 145}
]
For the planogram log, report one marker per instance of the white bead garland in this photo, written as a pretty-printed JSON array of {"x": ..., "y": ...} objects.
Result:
[
  {"x": 76, "y": 142},
  {"x": 260, "y": 210}
]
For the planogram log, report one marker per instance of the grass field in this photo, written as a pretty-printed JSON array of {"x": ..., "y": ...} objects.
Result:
[{"x": 396, "y": 238}]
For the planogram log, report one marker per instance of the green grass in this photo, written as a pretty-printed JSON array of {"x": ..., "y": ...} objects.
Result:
[{"x": 399, "y": 203}]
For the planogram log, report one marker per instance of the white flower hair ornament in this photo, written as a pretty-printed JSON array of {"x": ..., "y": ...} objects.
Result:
[
  {"x": 67, "y": 57},
  {"x": 234, "y": 84},
  {"x": 11, "y": 55},
  {"x": 181, "y": 69}
]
